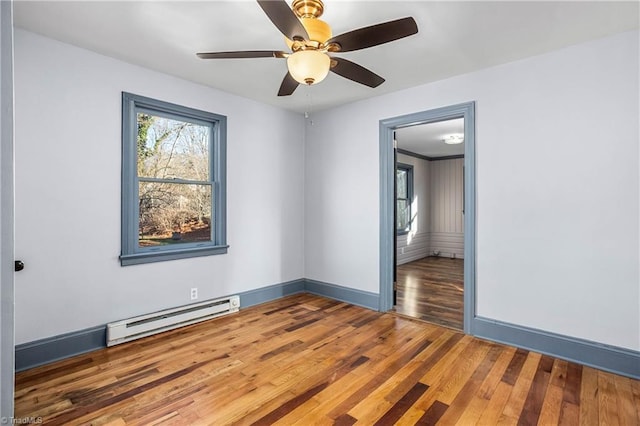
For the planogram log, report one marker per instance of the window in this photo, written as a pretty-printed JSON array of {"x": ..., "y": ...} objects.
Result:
[
  {"x": 173, "y": 181},
  {"x": 404, "y": 195}
]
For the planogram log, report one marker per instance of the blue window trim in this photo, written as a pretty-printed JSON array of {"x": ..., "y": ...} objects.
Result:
[
  {"x": 409, "y": 169},
  {"x": 132, "y": 253}
]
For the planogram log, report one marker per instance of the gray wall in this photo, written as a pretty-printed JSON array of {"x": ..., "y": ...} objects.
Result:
[
  {"x": 558, "y": 190},
  {"x": 68, "y": 178}
]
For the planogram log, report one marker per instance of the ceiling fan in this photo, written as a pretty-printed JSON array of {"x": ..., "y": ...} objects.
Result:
[{"x": 313, "y": 46}]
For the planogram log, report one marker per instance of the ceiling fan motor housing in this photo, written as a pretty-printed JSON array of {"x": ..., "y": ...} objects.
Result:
[
  {"x": 308, "y": 11},
  {"x": 319, "y": 32}
]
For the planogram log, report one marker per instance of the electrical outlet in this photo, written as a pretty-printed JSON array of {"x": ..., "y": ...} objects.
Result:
[{"x": 194, "y": 293}]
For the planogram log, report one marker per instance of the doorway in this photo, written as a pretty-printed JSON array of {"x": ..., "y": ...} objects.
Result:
[
  {"x": 388, "y": 222},
  {"x": 430, "y": 222}
]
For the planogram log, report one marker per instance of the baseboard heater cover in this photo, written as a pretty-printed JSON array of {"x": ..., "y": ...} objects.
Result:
[{"x": 157, "y": 322}]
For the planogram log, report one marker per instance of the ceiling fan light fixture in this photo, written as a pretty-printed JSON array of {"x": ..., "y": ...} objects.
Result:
[
  {"x": 311, "y": 41},
  {"x": 308, "y": 66},
  {"x": 454, "y": 139}
]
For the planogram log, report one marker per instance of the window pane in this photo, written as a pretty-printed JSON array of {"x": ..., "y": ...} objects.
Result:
[
  {"x": 401, "y": 179},
  {"x": 174, "y": 213},
  {"x": 170, "y": 149},
  {"x": 402, "y": 214}
]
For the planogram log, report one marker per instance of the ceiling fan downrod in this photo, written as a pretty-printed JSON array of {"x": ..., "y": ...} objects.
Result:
[{"x": 308, "y": 8}]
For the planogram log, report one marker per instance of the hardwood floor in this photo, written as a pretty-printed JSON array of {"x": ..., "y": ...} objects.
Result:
[
  {"x": 307, "y": 360},
  {"x": 432, "y": 289}
]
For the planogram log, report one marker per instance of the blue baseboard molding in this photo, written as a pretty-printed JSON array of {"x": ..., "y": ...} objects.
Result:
[
  {"x": 621, "y": 361},
  {"x": 625, "y": 362},
  {"x": 344, "y": 294},
  {"x": 50, "y": 349},
  {"x": 272, "y": 292},
  {"x": 45, "y": 351}
]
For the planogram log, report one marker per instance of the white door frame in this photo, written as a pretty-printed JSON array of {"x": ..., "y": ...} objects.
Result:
[
  {"x": 387, "y": 205},
  {"x": 7, "y": 342}
]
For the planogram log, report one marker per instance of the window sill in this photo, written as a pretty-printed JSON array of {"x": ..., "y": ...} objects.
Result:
[{"x": 161, "y": 256}]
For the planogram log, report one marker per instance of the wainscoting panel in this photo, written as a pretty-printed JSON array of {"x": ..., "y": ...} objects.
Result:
[
  {"x": 412, "y": 247},
  {"x": 447, "y": 243},
  {"x": 446, "y": 196}
]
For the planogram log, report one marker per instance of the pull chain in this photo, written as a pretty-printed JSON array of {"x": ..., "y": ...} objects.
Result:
[{"x": 309, "y": 110}]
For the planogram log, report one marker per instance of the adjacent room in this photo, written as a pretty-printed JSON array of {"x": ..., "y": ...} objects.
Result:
[
  {"x": 205, "y": 218},
  {"x": 430, "y": 222}
]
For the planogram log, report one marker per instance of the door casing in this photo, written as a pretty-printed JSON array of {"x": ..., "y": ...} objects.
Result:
[
  {"x": 6, "y": 212},
  {"x": 387, "y": 204}
]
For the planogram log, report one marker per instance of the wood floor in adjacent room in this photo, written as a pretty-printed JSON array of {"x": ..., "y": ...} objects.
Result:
[
  {"x": 432, "y": 289},
  {"x": 308, "y": 360}
]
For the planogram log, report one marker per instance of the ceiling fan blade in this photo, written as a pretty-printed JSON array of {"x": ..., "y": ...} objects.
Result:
[
  {"x": 288, "y": 86},
  {"x": 355, "y": 72},
  {"x": 242, "y": 54},
  {"x": 284, "y": 19},
  {"x": 375, "y": 34}
]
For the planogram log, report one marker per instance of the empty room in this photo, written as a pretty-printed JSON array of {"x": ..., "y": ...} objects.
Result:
[
  {"x": 319, "y": 212},
  {"x": 430, "y": 222}
]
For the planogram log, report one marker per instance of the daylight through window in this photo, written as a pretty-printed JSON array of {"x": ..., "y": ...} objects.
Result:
[
  {"x": 404, "y": 194},
  {"x": 173, "y": 181}
]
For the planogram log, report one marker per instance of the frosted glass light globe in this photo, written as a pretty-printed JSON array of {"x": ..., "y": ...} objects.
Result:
[{"x": 308, "y": 66}]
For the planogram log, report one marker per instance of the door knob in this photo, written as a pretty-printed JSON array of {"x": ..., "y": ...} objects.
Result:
[{"x": 19, "y": 265}]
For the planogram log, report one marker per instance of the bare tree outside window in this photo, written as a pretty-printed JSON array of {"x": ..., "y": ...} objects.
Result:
[{"x": 175, "y": 191}]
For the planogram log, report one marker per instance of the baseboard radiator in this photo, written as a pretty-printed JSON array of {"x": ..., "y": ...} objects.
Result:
[{"x": 157, "y": 322}]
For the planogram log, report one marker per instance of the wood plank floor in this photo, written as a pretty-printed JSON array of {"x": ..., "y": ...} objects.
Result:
[
  {"x": 305, "y": 360},
  {"x": 432, "y": 289}
]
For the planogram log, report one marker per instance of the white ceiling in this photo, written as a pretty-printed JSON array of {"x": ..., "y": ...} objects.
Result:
[
  {"x": 454, "y": 38},
  {"x": 428, "y": 139}
]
